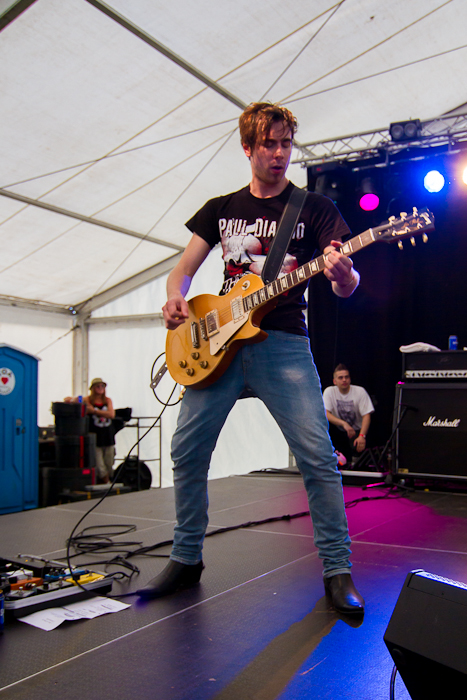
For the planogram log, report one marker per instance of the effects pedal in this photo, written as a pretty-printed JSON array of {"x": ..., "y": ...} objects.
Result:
[{"x": 32, "y": 583}]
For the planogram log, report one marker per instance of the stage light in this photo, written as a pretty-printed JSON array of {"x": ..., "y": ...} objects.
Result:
[
  {"x": 369, "y": 200},
  {"x": 331, "y": 180},
  {"x": 464, "y": 176},
  {"x": 405, "y": 131},
  {"x": 433, "y": 181}
]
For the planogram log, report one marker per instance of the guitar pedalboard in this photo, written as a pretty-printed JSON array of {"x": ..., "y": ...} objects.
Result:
[{"x": 32, "y": 583}]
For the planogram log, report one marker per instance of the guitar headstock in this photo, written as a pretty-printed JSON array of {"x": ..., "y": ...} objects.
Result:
[{"x": 406, "y": 226}]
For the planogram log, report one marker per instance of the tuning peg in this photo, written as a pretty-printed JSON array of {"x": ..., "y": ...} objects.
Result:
[
  {"x": 391, "y": 219},
  {"x": 403, "y": 214},
  {"x": 424, "y": 238},
  {"x": 400, "y": 245},
  {"x": 413, "y": 241},
  {"x": 415, "y": 211}
]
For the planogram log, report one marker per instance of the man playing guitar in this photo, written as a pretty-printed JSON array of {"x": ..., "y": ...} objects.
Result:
[{"x": 280, "y": 370}]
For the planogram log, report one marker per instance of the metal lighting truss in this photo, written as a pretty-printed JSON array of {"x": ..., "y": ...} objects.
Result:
[{"x": 443, "y": 134}]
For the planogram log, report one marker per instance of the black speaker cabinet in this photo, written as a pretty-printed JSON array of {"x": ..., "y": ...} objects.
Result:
[
  {"x": 426, "y": 636},
  {"x": 55, "y": 480},
  {"x": 431, "y": 439},
  {"x": 76, "y": 451}
]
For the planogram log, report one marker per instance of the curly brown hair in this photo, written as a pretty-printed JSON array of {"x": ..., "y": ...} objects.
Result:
[{"x": 256, "y": 120}]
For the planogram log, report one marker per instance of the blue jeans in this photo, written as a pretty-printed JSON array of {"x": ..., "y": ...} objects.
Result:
[{"x": 281, "y": 372}]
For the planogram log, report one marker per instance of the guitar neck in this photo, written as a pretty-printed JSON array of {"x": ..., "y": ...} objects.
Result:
[{"x": 307, "y": 271}]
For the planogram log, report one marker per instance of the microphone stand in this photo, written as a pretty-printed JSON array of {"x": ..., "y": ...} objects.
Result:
[{"x": 386, "y": 448}]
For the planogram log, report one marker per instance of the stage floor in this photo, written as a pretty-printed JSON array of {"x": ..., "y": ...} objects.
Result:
[{"x": 258, "y": 627}]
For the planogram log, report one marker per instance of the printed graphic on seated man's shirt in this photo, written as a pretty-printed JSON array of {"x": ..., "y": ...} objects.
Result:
[{"x": 346, "y": 411}]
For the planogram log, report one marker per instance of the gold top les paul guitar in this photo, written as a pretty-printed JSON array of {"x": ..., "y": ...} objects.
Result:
[{"x": 199, "y": 351}]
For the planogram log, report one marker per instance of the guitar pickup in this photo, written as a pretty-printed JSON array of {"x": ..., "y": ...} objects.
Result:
[
  {"x": 236, "y": 307},
  {"x": 202, "y": 325},
  {"x": 194, "y": 334},
  {"x": 212, "y": 322}
]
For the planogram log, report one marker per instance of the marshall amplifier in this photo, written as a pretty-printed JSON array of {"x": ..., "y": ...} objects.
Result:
[
  {"x": 430, "y": 423},
  {"x": 449, "y": 365},
  {"x": 426, "y": 636}
]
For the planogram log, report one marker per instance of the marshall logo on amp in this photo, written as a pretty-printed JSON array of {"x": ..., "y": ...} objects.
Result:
[{"x": 434, "y": 422}]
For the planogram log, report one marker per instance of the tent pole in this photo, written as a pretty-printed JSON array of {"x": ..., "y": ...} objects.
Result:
[{"x": 80, "y": 355}]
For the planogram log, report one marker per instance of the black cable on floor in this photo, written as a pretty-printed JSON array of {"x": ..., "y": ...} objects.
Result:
[
  {"x": 387, "y": 496},
  {"x": 392, "y": 683},
  {"x": 118, "y": 472},
  {"x": 102, "y": 543}
]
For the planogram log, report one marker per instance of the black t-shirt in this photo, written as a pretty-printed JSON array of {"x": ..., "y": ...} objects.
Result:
[
  {"x": 246, "y": 225},
  {"x": 103, "y": 427}
]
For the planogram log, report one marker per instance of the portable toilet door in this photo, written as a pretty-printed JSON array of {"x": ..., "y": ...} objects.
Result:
[{"x": 19, "y": 442}]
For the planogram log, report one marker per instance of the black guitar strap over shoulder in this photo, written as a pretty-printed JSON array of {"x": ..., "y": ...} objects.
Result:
[{"x": 278, "y": 249}]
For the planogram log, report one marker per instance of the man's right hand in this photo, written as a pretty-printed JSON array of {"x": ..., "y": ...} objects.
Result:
[
  {"x": 175, "y": 312},
  {"x": 349, "y": 430}
]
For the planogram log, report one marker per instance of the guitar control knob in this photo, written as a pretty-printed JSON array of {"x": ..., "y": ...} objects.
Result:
[
  {"x": 195, "y": 355},
  {"x": 182, "y": 364},
  {"x": 190, "y": 371},
  {"x": 204, "y": 364}
]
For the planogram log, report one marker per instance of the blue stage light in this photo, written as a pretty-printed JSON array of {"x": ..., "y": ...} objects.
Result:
[{"x": 434, "y": 181}]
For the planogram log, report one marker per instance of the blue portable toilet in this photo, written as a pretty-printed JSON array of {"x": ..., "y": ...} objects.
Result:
[{"x": 19, "y": 443}]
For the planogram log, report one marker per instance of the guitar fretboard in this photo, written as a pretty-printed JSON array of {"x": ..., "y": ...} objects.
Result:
[{"x": 305, "y": 272}]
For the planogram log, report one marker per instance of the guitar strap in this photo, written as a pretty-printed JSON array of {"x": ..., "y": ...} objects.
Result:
[{"x": 278, "y": 249}]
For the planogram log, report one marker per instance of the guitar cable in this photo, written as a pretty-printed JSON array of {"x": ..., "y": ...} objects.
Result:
[
  {"x": 73, "y": 539},
  {"x": 156, "y": 379}
]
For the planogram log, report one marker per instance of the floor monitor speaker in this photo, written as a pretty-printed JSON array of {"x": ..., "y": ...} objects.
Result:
[{"x": 426, "y": 636}]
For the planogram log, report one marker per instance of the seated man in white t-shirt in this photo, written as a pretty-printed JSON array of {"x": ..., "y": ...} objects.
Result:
[{"x": 349, "y": 409}]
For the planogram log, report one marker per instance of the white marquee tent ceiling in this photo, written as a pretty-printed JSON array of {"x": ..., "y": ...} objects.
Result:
[{"x": 118, "y": 120}]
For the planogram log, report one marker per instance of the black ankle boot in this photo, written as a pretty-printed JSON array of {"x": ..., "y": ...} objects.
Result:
[
  {"x": 345, "y": 597},
  {"x": 174, "y": 577}
]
